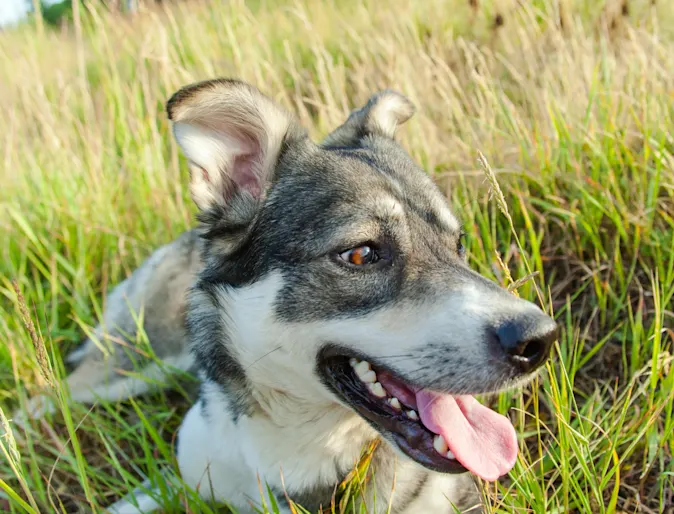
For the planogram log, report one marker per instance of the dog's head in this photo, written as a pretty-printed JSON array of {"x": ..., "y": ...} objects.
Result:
[{"x": 335, "y": 272}]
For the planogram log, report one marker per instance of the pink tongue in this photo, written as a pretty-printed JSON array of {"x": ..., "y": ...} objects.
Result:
[{"x": 482, "y": 440}]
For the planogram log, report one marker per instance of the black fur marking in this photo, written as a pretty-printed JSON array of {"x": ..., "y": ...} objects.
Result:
[
  {"x": 214, "y": 219},
  {"x": 310, "y": 499},
  {"x": 468, "y": 498},
  {"x": 210, "y": 347},
  {"x": 203, "y": 406}
]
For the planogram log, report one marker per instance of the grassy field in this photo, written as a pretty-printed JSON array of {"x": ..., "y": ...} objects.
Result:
[{"x": 571, "y": 102}]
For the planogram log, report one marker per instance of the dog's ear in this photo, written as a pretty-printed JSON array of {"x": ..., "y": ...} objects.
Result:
[
  {"x": 232, "y": 136},
  {"x": 381, "y": 115}
]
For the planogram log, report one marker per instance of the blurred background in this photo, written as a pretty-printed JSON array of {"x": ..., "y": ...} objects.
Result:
[{"x": 571, "y": 102}]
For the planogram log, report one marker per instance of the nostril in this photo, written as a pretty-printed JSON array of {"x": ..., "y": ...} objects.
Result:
[
  {"x": 524, "y": 349},
  {"x": 530, "y": 349}
]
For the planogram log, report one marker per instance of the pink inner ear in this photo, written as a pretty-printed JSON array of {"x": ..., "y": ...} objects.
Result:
[
  {"x": 246, "y": 175},
  {"x": 244, "y": 172},
  {"x": 204, "y": 175}
]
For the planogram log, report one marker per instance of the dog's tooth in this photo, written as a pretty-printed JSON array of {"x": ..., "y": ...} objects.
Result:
[
  {"x": 369, "y": 377},
  {"x": 450, "y": 455},
  {"x": 361, "y": 368},
  {"x": 413, "y": 415},
  {"x": 440, "y": 445},
  {"x": 353, "y": 361},
  {"x": 377, "y": 390},
  {"x": 395, "y": 403}
]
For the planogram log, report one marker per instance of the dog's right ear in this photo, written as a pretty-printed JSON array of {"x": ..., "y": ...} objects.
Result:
[
  {"x": 380, "y": 116},
  {"x": 232, "y": 136}
]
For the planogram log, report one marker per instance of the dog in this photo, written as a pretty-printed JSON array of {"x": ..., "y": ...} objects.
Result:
[{"x": 325, "y": 303}]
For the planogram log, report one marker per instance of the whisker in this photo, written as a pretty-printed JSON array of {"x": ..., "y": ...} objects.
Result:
[{"x": 263, "y": 356}]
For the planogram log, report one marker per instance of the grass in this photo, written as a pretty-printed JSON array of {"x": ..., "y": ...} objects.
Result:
[{"x": 569, "y": 101}]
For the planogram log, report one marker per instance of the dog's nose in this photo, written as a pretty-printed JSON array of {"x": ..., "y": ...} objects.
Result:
[{"x": 527, "y": 342}]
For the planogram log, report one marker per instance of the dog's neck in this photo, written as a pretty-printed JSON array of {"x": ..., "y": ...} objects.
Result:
[
  {"x": 314, "y": 420},
  {"x": 316, "y": 443}
]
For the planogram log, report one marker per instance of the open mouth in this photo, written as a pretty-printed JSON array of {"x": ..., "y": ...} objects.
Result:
[{"x": 442, "y": 432}]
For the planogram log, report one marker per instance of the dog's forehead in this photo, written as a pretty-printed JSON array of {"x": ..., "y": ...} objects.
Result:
[{"x": 378, "y": 180}]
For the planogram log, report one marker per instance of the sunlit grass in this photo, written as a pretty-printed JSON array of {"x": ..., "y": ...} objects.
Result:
[{"x": 571, "y": 107}]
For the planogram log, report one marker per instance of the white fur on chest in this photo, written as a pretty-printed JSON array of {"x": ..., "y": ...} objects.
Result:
[
  {"x": 311, "y": 451},
  {"x": 292, "y": 445}
]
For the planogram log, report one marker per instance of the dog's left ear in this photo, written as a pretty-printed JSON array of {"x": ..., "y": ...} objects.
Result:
[
  {"x": 232, "y": 136},
  {"x": 381, "y": 115}
]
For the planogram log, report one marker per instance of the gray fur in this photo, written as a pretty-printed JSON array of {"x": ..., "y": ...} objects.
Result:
[
  {"x": 155, "y": 293},
  {"x": 156, "y": 290}
]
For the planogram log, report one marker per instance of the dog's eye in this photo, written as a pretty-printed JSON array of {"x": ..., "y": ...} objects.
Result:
[{"x": 360, "y": 256}]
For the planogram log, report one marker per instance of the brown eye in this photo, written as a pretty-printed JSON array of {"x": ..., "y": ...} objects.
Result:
[{"x": 360, "y": 256}]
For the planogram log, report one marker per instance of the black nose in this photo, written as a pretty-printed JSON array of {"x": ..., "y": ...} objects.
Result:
[{"x": 527, "y": 342}]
